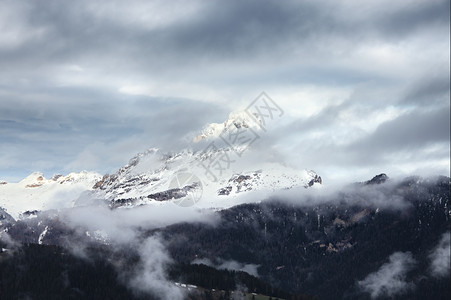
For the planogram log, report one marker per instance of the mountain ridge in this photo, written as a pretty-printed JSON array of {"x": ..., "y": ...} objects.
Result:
[{"x": 219, "y": 174}]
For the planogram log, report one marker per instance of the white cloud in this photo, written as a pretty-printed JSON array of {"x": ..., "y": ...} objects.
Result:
[
  {"x": 390, "y": 279},
  {"x": 251, "y": 269},
  {"x": 123, "y": 229},
  {"x": 150, "y": 276},
  {"x": 440, "y": 257},
  {"x": 231, "y": 264}
]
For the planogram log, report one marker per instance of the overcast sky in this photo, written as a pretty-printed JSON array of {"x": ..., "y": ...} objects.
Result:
[{"x": 88, "y": 84}]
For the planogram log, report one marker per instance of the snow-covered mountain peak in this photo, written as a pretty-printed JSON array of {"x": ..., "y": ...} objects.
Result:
[
  {"x": 37, "y": 179},
  {"x": 155, "y": 177},
  {"x": 215, "y": 171},
  {"x": 235, "y": 121},
  {"x": 243, "y": 119},
  {"x": 33, "y": 180}
]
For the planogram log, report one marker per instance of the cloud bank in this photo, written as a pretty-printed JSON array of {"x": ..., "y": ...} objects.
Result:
[{"x": 127, "y": 231}]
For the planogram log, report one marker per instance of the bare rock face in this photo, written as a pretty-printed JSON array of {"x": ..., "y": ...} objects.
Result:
[
  {"x": 378, "y": 179},
  {"x": 315, "y": 179},
  {"x": 225, "y": 191},
  {"x": 34, "y": 185},
  {"x": 56, "y": 177}
]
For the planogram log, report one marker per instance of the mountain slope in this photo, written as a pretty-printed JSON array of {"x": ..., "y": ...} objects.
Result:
[
  {"x": 350, "y": 245},
  {"x": 217, "y": 173},
  {"x": 36, "y": 193},
  {"x": 335, "y": 247}
]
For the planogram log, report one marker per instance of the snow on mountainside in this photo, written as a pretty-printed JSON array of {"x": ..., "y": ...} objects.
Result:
[
  {"x": 36, "y": 193},
  {"x": 153, "y": 176},
  {"x": 213, "y": 174},
  {"x": 235, "y": 121}
]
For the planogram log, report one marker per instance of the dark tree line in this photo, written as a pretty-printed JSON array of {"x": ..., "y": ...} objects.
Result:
[
  {"x": 50, "y": 272},
  {"x": 324, "y": 250}
]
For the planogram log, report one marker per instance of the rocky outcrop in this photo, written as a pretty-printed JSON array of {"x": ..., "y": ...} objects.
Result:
[
  {"x": 378, "y": 179},
  {"x": 315, "y": 179}
]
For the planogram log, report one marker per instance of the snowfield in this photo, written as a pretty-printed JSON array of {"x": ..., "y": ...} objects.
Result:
[{"x": 36, "y": 193}]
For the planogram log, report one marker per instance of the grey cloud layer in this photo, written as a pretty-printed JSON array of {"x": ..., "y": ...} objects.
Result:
[{"x": 63, "y": 65}]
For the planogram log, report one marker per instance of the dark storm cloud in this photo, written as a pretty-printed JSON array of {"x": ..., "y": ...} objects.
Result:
[
  {"x": 427, "y": 91},
  {"x": 231, "y": 30},
  {"x": 242, "y": 28},
  {"x": 411, "y": 131},
  {"x": 234, "y": 31},
  {"x": 411, "y": 18}
]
